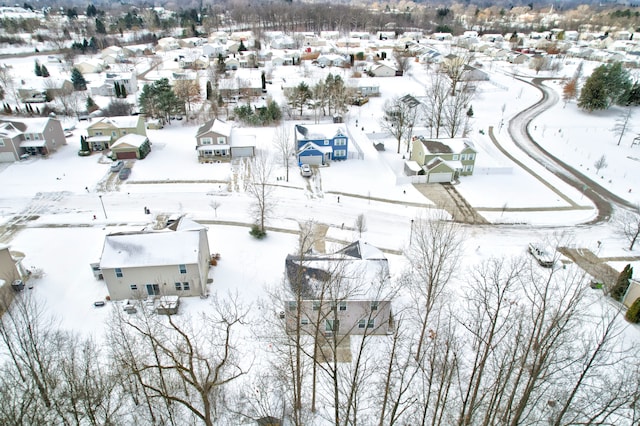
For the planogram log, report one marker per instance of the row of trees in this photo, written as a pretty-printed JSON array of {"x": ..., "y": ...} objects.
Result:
[
  {"x": 517, "y": 344},
  {"x": 327, "y": 97},
  {"x": 608, "y": 85}
]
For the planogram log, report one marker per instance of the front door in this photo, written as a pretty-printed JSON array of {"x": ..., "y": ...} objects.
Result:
[{"x": 153, "y": 289}]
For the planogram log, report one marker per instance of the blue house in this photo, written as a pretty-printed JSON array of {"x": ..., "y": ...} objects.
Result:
[{"x": 319, "y": 144}]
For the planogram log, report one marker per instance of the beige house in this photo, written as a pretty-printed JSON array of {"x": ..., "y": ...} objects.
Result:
[
  {"x": 106, "y": 130},
  {"x": 213, "y": 141},
  {"x": 29, "y": 136},
  {"x": 346, "y": 292},
  {"x": 130, "y": 146},
  {"x": 172, "y": 262}
]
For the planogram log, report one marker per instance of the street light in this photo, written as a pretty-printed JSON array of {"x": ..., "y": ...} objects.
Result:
[{"x": 103, "y": 209}]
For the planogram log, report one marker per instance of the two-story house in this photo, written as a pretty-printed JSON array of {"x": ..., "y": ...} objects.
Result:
[
  {"x": 29, "y": 136},
  {"x": 341, "y": 293},
  {"x": 319, "y": 144},
  {"x": 107, "y": 87},
  {"x": 106, "y": 130},
  {"x": 213, "y": 141},
  {"x": 172, "y": 262},
  {"x": 444, "y": 160}
]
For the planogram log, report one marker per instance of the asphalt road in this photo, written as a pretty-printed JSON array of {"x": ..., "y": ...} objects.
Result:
[{"x": 603, "y": 199}]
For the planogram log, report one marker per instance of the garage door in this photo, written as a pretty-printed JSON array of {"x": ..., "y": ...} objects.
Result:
[
  {"x": 125, "y": 155},
  {"x": 7, "y": 157},
  {"x": 312, "y": 160},
  {"x": 440, "y": 177},
  {"x": 242, "y": 151}
]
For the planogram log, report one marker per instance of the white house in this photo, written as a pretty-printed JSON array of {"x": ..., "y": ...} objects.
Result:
[
  {"x": 107, "y": 86},
  {"x": 157, "y": 263},
  {"x": 382, "y": 69}
]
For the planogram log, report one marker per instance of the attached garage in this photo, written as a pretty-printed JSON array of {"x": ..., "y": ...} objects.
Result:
[
  {"x": 438, "y": 171},
  {"x": 7, "y": 157},
  {"x": 242, "y": 144},
  {"x": 314, "y": 155},
  {"x": 130, "y": 147},
  {"x": 242, "y": 151}
]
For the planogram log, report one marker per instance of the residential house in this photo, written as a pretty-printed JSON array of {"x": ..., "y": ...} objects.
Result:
[
  {"x": 473, "y": 74},
  {"x": 318, "y": 144},
  {"x": 444, "y": 160},
  {"x": 213, "y": 141},
  {"x": 89, "y": 66},
  {"x": 168, "y": 43},
  {"x": 243, "y": 142},
  {"x": 213, "y": 50},
  {"x": 382, "y": 69},
  {"x": 332, "y": 60},
  {"x": 107, "y": 86},
  {"x": 235, "y": 88},
  {"x": 231, "y": 64},
  {"x": 12, "y": 275},
  {"x": 106, "y": 130},
  {"x": 341, "y": 293},
  {"x": 130, "y": 146},
  {"x": 29, "y": 136},
  {"x": 366, "y": 87},
  {"x": 34, "y": 89},
  {"x": 172, "y": 262}
]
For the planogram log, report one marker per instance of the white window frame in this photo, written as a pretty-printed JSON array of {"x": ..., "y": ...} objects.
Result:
[
  {"x": 292, "y": 305},
  {"x": 118, "y": 272},
  {"x": 182, "y": 268},
  {"x": 186, "y": 286},
  {"x": 2, "y": 142},
  {"x": 222, "y": 140},
  {"x": 133, "y": 287},
  {"x": 178, "y": 286},
  {"x": 304, "y": 321},
  {"x": 454, "y": 157},
  {"x": 340, "y": 152},
  {"x": 206, "y": 141},
  {"x": 374, "y": 305}
]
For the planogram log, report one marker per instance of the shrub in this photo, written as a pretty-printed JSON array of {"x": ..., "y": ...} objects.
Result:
[
  {"x": 633, "y": 313},
  {"x": 258, "y": 233}
]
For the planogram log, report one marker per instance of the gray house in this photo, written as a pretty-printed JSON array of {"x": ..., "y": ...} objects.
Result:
[
  {"x": 29, "y": 136},
  {"x": 341, "y": 293}
]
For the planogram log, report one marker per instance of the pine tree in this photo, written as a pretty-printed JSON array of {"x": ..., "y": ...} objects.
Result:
[
  {"x": 38, "y": 69},
  {"x": 633, "y": 313},
  {"x": 622, "y": 283},
  {"x": 45, "y": 71},
  {"x": 242, "y": 47},
  {"x": 607, "y": 85},
  {"x": 100, "y": 29},
  {"x": 123, "y": 91},
  {"x": 470, "y": 111},
  {"x": 79, "y": 83},
  {"x": 116, "y": 88},
  {"x": 209, "y": 91}
]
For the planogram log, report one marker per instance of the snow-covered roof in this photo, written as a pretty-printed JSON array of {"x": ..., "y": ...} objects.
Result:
[
  {"x": 320, "y": 131},
  {"x": 39, "y": 143},
  {"x": 243, "y": 137},
  {"x": 8, "y": 130},
  {"x": 445, "y": 145},
  {"x": 35, "y": 124},
  {"x": 312, "y": 146},
  {"x": 130, "y": 139},
  {"x": 141, "y": 249},
  {"x": 121, "y": 122},
  {"x": 216, "y": 126}
]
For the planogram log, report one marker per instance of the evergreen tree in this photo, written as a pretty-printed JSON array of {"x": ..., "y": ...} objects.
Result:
[
  {"x": 633, "y": 313},
  {"x": 263, "y": 79},
  {"x": 44, "y": 70},
  {"x": 632, "y": 97},
  {"x": 622, "y": 284},
  {"x": 91, "y": 11},
  {"x": 242, "y": 47},
  {"x": 79, "y": 83},
  {"x": 209, "y": 91},
  {"x": 470, "y": 111},
  {"x": 123, "y": 91},
  {"x": 84, "y": 145},
  {"x": 38, "y": 69},
  {"x": 90, "y": 104},
  {"x": 116, "y": 88},
  {"x": 1, "y": 93},
  {"x": 607, "y": 85},
  {"x": 100, "y": 29},
  {"x": 159, "y": 100}
]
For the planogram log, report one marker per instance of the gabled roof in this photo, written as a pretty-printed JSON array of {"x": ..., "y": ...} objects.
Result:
[
  {"x": 216, "y": 126},
  {"x": 143, "y": 249},
  {"x": 445, "y": 146},
  {"x": 24, "y": 125},
  {"x": 130, "y": 139},
  {"x": 320, "y": 131},
  {"x": 120, "y": 122},
  {"x": 310, "y": 146}
]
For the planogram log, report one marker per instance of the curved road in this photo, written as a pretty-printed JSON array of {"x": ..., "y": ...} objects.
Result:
[{"x": 519, "y": 131}]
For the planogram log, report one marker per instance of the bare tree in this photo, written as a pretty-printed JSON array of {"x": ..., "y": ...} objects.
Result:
[
  {"x": 261, "y": 189},
  {"x": 628, "y": 224},
  {"x": 456, "y": 108},
  {"x": 403, "y": 61},
  {"x": 361, "y": 224},
  {"x": 184, "y": 363},
  {"x": 284, "y": 143},
  {"x": 435, "y": 107},
  {"x": 623, "y": 122},
  {"x": 601, "y": 163},
  {"x": 455, "y": 66},
  {"x": 188, "y": 91},
  {"x": 399, "y": 119}
]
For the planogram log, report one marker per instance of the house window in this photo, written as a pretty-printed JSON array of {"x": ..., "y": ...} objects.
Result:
[
  {"x": 114, "y": 133},
  {"x": 454, "y": 157},
  {"x": 27, "y": 137},
  {"x": 133, "y": 287},
  {"x": 293, "y": 305},
  {"x": 326, "y": 141},
  {"x": 98, "y": 133},
  {"x": 153, "y": 289},
  {"x": 304, "y": 321},
  {"x": 179, "y": 286},
  {"x": 374, "y": 305},
  {"x": 340, "y": 153},
  {"x": 316, "y": 306},
  {"x": 332, "y": 325},
  {"x": 340, "y": 142},
  {"x": 124, "y": 132},
  {"x": 36, "y": 137},
  {"x": 343, "y": 306},
  {"x": 118, "y": 272},
  {"x": 468, "y": 168},
  {"x": 368, "y": 323},
  {"x": 222, "y": 140},
  {"x": 463, "y": 157},
  {"x": 183, "y": 269},
  {"x": 1, "y": 143},
  {"x": 186, "y": 286},
  {"x": 471, "y": 156},
  {"x": 206, "y": 141}
]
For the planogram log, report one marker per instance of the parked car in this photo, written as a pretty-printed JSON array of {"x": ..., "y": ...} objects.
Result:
[
  {"x": 542, "y": 255},
  {"x": 117, "y": 166},
  {"x": 124, "y": 174},
  {"x": 305, "y": 170}
]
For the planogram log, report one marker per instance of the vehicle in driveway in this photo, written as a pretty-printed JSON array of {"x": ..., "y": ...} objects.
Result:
[
  {"x": 124, "y": 174},
  {"x": 542, "y": 255},
  {"x": 117, "y": 166},
  {"x": 305, "y": 170}
]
